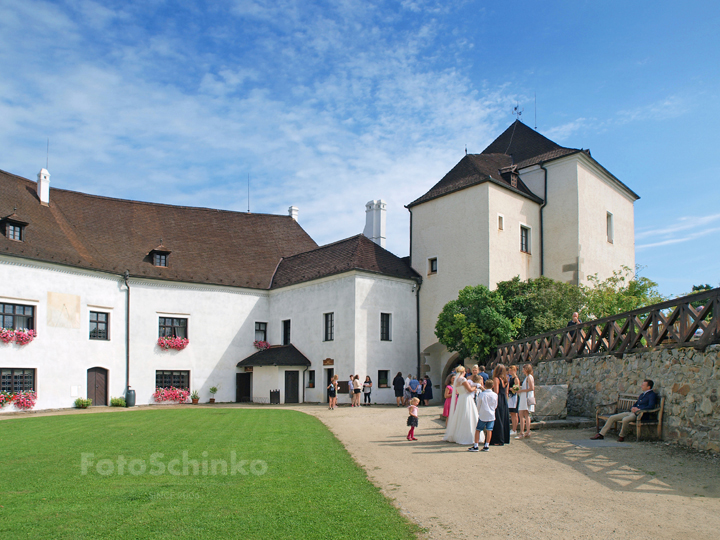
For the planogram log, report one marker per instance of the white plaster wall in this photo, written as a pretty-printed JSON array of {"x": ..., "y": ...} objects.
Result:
[
  {"x": 373, "y": 296},
  {"x": 61, "y": 356},
  {"x": 598, "y": 195},
  {"x": 506, "y": 260},
  {"x": 221, "y": 330},
  {"x": 453, "y": 228}
]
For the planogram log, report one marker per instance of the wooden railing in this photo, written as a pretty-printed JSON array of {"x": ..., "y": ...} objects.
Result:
[{"x": 675, "y": 323}]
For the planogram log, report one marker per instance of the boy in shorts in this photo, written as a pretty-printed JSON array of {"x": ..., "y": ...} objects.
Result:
[{"x": 486, "y": 404}]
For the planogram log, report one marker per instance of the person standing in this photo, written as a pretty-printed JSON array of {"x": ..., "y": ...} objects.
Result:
[
  {"x": 412, "y": 420},
  {"x": 414, "y": 385},
  {"x": 501, "y": 429},
  {"x": 406, "y": 392},
  {"x": 367, "y": 388},
  {"x": 350, "y": 390},
  {"x": 514, "y": 383},
  {"x": 463, "y": 413},
  {"x": 427, "y": 393},
  {"x": 399, "y": 387},
  {"x": 448, "y": 394},
  {"x": 527, "y": 401},
  {"x": 332, "y": 393},
  {"x": 357, "y": 388},
  {"x": 487, "y": 404}
]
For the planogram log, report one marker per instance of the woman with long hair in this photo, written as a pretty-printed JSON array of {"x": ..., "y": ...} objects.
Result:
[
  {"x": 513, "y": 397},
  {"x": 332, "y": 393},
  {"x": 399, "y": 387},
  {"x": 463, "y": 413},
  {"x": 448, "y": 394},
  {"x": 501, "y": 430},
  {"x": 527, "y": 401}
]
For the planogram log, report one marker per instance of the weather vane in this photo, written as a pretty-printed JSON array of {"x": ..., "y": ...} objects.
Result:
[{"x": 517, "y": 111}]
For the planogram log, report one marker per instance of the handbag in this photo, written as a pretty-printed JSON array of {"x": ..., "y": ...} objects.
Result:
[{"x": 531, "y": 400}]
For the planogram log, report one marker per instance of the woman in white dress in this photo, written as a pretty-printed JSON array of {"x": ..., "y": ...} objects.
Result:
[
  {"x": 524, "y": 409},
  {"x": 463, "y": 416}
]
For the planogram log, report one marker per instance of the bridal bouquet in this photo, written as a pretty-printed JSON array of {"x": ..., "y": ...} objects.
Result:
[{"x": 514, "y": 389}]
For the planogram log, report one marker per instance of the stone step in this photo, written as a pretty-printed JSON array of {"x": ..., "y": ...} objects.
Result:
[{"x": 571, "y": 422}]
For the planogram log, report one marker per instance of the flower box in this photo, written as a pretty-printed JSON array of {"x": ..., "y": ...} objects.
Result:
[
  {"x": 177, "y": 343},
  {"x": 20, "y": 337},
  {"x": 261, "y": 345},
  {"x": 22, "y": 401},
  {"x": 178, "y": 395}
]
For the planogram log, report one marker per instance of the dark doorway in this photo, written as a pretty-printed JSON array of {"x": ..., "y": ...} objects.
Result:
[
  {"x": 329, "y": 372},
  {"x": 243, "y": 392},
  {"x": 97, "y": 385},
  {"x": 292, "y": 379}
]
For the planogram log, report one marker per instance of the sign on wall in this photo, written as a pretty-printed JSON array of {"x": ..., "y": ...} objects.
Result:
[
  {"x": 63, "y": 310},
  {"x": 328, "y": 362}
]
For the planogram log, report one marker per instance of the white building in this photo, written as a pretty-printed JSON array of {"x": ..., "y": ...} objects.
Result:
[
  {"x": 100, "y": 279},
  {"x": 524, "y": 207}
]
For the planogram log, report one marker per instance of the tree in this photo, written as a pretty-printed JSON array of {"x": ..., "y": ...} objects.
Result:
[
  {"x": 543, "y": 304},
  {"x": 475, "y": 324},
  {"x": 624, "y": 291}
]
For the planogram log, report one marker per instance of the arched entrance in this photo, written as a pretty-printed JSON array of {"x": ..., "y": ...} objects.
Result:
[{"x": 97, "y": 385}]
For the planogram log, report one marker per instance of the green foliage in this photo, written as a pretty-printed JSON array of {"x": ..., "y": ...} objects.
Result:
[
  {"x": 475, "y": 324},
  {"x": 195, "y": 395},
  {"x": 117, "y": 402},
  {"x": 82, "y": 403},
  {"x": 543, "y": 304},
  {"x": 619, "y": 293}
]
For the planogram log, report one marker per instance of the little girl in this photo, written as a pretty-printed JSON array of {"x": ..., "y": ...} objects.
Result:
[{"x": 412, "y": 420}]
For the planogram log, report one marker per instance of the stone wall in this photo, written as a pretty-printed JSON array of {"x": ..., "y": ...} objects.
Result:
[{"x": 688, "y": 379}]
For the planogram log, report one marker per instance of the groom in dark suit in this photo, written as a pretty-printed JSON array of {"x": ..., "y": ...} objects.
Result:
[{"x": 645, "y": 402}]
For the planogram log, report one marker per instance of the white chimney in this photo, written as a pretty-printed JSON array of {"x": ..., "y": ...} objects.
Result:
[
  {"x": 293, "y": 212},
  {"x": 43, "y": 187},
  {"x": 375, "y": 221}
]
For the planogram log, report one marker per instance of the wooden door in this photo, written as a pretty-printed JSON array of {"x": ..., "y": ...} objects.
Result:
[
  {"x": 292, "y": 380},
  {"x": 97, "y": 385},
  {"x": 243, "y": 392}
]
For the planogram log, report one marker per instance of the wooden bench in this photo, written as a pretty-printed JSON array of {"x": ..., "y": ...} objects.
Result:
[{"x": 623, "y": 404}]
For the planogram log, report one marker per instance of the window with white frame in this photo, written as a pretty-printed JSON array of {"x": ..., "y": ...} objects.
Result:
[
  {"x": 17, "y": 317},
  {"x": 432, "y": 265},
  {"x": 610, "y": 228},
  {"x": 99, "y": 322},
  {"x": 385, "y": 327},
  {"x": 260, "y": 331},
  {"x": 524, "y": 239},
  {"x": 286, "y": 332},
  {"x": 329, "y": 330},
  {"x": 501, "y": 222}
]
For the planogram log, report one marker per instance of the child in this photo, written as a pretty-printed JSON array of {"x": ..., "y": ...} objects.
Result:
[
  {"x": 487, "y": 403},
  {"x": 412, "y": 420}
]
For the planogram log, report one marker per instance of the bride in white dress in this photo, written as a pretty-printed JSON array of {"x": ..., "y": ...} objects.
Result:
[{"x": 463, "y": 416}]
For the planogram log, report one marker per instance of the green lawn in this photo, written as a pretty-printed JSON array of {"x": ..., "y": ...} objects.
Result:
[{"x": 298, "y": 481}]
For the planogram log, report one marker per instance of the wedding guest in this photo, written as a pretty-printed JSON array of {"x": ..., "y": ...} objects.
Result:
[
  {"x": 527, "y": 401},
  {"x": 448, "y": 396},
  {"x": 484, "y": 375},
  {"x": 367, "y": 388},
  {"x": 427, "y": 393},
  {"x": 399, "y": 387},
  {"x": 501, "y": 429},
  {"x": 332, "y": 393},
  {"x": 412, "y": 420},
  {"x": 351, "y": 394},
  {"x": 357, "y": 388},
  {"x": 463, "y": 413},
  {"x": 514, "y": 383},
  {"x": 406, "y": 392},
  {"x": 487, "y": 404},
  {"x": 414, "y": 384}
]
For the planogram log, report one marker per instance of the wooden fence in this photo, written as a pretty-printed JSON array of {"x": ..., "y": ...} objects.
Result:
[{"x": 690, "y": 321}]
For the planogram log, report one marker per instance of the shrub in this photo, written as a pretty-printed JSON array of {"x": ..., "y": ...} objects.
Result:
[
  {"x": 82, "y": 403},
  {"x": 117, "y": 402}
]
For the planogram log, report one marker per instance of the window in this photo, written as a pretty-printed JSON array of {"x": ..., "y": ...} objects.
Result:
[
  {"x": 99, "y": 325},
  {"x": 524, "y": 239},
  {"x": 17, "y": 317},
  {"x": 432, "y": 266},
  {"x": 178, "y": 379},
  {"x": 17, "y": 380},
  {"x": 383, "y": 378},
  {"x": 329, "y": 326},
  {"x": 286, "y": 332},
  {"x": 160, "y": 259},
  {"x": 385, "y": 326},
  {"x": 260, "y": 331},
  {"x": 14, "y": 232},
  {"x": 501, "y": 222},
  {"x": 311, "y": 379},
  {"x": 173, "y": 327},
  {"x": 610, "y": 228}
]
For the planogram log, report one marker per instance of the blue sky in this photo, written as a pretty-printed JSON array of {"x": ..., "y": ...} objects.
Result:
[{"x": 327, "y": 105}]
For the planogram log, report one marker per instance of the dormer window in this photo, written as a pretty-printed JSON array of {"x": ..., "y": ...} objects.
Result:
[
  {"x": 159, "y": 256},
  {"x": 13, "y": 227}
]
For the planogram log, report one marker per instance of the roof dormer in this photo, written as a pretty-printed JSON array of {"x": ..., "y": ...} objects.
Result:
[
  {"x": 13, "y": 227},
  {"x": 159, "y": 256}
]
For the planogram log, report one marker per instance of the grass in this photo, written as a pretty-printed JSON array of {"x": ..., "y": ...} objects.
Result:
[{"x": 298, "y": 482}]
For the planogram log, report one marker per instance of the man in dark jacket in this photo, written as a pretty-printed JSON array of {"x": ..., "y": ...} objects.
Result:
[{"x": 645, "y": 402}]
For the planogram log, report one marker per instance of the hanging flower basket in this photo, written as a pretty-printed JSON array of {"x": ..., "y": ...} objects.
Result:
[
  {"x": 178, "y": 395},
  {"x": 261, "y": 345},
  {"x": 176, "y": 343},
  {"x": 21, "y": 337}
]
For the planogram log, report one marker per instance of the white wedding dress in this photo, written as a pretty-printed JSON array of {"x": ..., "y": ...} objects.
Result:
[{"x": 463, "y": 416}]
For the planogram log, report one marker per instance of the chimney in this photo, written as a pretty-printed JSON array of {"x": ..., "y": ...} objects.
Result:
[
  {"x": 375, "y": 221},
  {"x": 43, "y": 187},
  {"x": 293, "y": 212}
]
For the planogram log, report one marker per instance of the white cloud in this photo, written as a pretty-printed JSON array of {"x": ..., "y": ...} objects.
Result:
[{"x": 683, "y": 230}]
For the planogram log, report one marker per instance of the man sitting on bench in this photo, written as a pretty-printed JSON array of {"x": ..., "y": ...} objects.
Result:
[{"x": 645, "y": 402}]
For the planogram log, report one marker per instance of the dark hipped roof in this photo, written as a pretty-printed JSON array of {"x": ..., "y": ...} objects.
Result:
[
  {"x": 522, "y": 143},
  {"x": 276, "y": 355},
  {"x": 112, "y": 235},
  {"x": 354, "y": 253}
]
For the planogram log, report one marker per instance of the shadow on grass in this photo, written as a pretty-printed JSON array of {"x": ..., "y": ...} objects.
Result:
[{"x": 645, "y": 467}]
